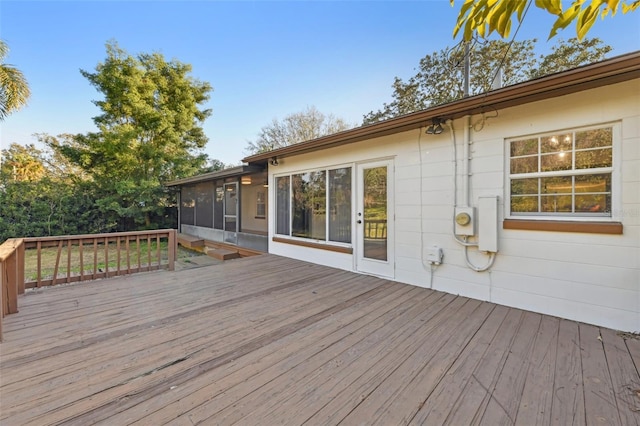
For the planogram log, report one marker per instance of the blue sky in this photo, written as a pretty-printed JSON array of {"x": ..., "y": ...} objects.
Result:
[{"x": 264, "y": 59}]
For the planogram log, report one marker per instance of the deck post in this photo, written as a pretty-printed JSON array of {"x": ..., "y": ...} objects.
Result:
[
  {"x": 172, "y": 246},
  {"x": 2, "y": 285},
  {"x": 10, "y": 272},
  {"x": 20, "y": 267}
]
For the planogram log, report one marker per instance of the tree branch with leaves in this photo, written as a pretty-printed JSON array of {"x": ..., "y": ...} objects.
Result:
[
  {"x": 14, "y": 89},
  {"x": 439, "y": 78},
  {"x": 483, "y": 17}
]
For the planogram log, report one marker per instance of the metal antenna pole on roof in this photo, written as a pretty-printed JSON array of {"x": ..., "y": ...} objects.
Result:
[{"x": 467, "y": 69}]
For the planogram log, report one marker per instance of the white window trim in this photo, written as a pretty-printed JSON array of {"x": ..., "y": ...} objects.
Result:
[
  {"x": 616, "y": 177},
  {"x": 326, "y": 242}
]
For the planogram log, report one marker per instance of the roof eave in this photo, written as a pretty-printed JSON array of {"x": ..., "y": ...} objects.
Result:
[{"x": 220, "y": 174}]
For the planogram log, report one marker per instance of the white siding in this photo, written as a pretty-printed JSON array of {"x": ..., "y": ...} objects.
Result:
[{"x": 593, "y": 278}]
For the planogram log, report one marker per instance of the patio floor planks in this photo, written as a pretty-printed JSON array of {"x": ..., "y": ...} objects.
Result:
[{"x": 267, "y": 340}]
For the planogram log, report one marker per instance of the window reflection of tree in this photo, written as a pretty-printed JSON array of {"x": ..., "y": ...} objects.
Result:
[
  {"x": 578, "y": 192},
  {"x": 309, "y": 205},
  {"x": 375, "y": 193},
  {"x": 282, "y": 205},
  {"x": 340, "y": 205}
]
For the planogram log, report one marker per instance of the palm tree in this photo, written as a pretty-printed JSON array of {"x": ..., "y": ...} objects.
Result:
[{"x": 14, "y": 90}]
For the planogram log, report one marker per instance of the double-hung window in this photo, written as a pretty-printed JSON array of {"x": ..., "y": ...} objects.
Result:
[
  {"x": 315, "y": 205},
  {"x": 567, "y": 174}
]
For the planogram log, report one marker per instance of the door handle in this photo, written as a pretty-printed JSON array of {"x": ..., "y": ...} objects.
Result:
[{"x": 359, "y": 221}]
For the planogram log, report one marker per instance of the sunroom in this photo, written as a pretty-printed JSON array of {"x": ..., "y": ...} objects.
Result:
[{"x": 227, "y": 206}]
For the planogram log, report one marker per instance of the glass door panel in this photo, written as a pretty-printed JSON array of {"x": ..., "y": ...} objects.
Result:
[
  {"x": 374, "y": 218},
  {"x": 231, "y": 213},
  {"x": 375, "y": 213}
]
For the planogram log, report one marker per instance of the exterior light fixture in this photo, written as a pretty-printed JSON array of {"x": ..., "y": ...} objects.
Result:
[
  {"x": 245, "y": 180},
  {"x": 435, "y": 128}
]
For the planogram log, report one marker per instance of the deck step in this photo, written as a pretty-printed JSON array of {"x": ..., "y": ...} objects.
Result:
[
  {"x": 190, "y": 241},
  {"x": 223, "y": 254}
]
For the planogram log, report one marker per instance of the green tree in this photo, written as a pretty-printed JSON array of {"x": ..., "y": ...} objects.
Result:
[
  {"x": 37, "y": 199},
  {"x": 295, "y": 128},
  {"x": 149, "y": 132},
  {"x": 213, "y": 165},
  {"x": 569, "y": 55},
  {"x": 58, "y": 165},
  {"x": 22, "y": 163},
  {"x": 440, "y": 76},
  {"x": 483, "y": 17},
  {"x": 14, "y": 89}
]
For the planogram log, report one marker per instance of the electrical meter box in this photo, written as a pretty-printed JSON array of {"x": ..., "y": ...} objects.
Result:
[
  {"x": 488, "y": 224},
  {"x": 465, "y": 221}
]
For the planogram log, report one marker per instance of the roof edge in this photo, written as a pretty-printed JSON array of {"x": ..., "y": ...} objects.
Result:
[{"x": 218, "y": 174}]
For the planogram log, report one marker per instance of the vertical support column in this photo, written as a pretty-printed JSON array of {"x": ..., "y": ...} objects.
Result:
[
  {"x": 11, "y": 284},
  {"x": 172, "y": 249},
  {"x": 39, "y": 254},
  {"x": 158, "y": 251},
  {"x": 20, "y": 267},
  {"x": 2, "y": 297}
]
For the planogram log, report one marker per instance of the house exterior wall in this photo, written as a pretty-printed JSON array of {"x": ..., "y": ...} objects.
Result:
[{"x": 594, "y": 278}]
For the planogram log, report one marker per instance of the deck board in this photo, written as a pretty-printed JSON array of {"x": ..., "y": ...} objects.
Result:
[
  {"x": 567, "y": 407},
  {"x": 502, "y": 406},
  {"x": 599, "y": 395},
  {"x": 271, "y": 340},
  {"x": 624, "y": 377},
  {"x": 537, "y": 394}
]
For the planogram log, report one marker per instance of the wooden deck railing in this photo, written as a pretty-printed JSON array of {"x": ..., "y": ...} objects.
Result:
[
  {"x": 45, "y": 261},
  {"x": 375, "y": 229},
  {"x": 11, "y": 276}
]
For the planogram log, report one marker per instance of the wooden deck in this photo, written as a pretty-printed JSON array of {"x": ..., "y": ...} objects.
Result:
[{"x": 268, "y": 340}]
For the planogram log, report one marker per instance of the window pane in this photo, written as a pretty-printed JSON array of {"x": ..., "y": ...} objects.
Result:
[
  {"x": 556, "y": 143},
  {"x": 524, "y": 165},
  {"x": 528, "y": 204},
  {"x": 563, "y": 188},
  {"x": 554, "y": 162},
  {"x": 230, "y": 200},
  {"x": 309, "y": 205},
  {"x": 593, "y": 203},
  {"x": 340, "y": 205},
  {"x": 524, "y": 186},
  {"x": 204, "y": 204},
  {"x": 218, "y": 207},
  {"x": 524, "y": 147},
  {"x": 555, "y": 203},
  {"x": 261, "y": 209},
  {"x": 556, "y": 185},
  {"x": 187, "y": 205},
  {"x": 594, "y": 158},
  {"x": 594, "y": 138},
  {"x": 282, "y": 205},
  {"x": 594, "y": 183},
  {"x": 375, "y": 212}
]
